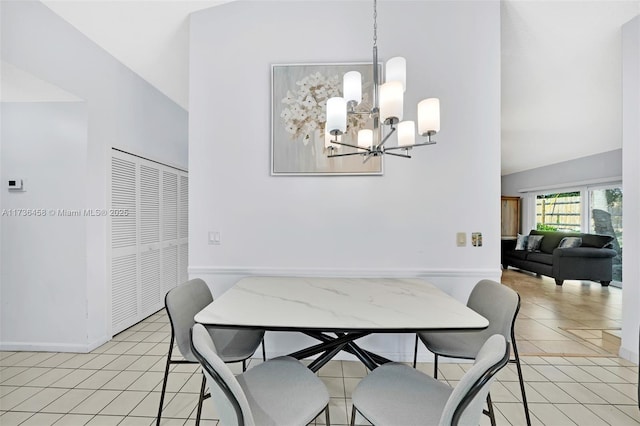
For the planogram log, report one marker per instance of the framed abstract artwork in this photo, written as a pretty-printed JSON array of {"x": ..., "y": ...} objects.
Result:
[{"x": 299, "y": 93}]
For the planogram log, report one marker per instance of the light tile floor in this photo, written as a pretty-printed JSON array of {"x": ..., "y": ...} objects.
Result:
[
  {"x": 119, "y": 383},
  {"x": 564, "y": 320}
]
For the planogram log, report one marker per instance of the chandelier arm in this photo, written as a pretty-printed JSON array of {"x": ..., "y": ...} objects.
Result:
[
  {"x": 409, "y": 146},
  {"x": 392, "y": 148},
  {"x": 396, "y": 154},
  {"x": 393, "y": 129},
  {"x": 425, "y": 143},
  {"x": 347, "y": 154},
  {"x": 350, "y": 146}
]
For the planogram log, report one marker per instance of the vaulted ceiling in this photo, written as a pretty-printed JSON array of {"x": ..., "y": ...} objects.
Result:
[
  {"x": 561, "y": 80},
  {"x": 561, "y": 66}
]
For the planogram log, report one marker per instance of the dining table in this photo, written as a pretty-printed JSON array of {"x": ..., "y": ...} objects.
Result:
[{"x": 338, "y": 311}]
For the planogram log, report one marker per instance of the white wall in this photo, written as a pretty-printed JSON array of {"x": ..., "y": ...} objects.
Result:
[
  {"x": 403, "y": 223},
  {"x": 123, "y": 111},
  {"x": 16, "y": 85},
  {"x": 603, "y": 167},
  {"x": 631, "y": 182},
  {"x": 43, "y": 257}
]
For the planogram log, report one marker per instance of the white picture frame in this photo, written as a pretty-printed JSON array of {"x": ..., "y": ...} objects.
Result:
[{"x": 298, "y": 94}]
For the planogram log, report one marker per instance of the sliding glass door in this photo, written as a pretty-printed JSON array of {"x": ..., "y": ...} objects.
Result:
[{"x": 605, "y": 209}]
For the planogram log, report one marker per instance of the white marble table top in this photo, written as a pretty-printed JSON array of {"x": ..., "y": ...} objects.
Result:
[{"x": 339, "y": 304}]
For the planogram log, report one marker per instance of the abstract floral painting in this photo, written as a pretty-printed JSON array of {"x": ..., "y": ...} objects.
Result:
[{"x": 299, "y": 94}]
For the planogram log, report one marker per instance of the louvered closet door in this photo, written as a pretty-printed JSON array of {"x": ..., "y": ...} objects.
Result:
[
  {"x": 183, "y": 228},
  {"x": 151, "y": 292},
  {"x": 124, "y": 244},
  {"x": 149, "y": 245},
  {"x": 169, "y": 230}
]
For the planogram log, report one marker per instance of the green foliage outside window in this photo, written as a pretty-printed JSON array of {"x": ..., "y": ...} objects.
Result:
[
  {"x": 559, "y": 195},
  {"x": 545, "y": 227},
  {"x": 614, "y": 196}
]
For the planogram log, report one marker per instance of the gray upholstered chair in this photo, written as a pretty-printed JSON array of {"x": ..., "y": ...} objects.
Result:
[
  {"x": 281, "y": 391},
  {"x": 182, "y": 304},
  {"x": 398, "y": 395},
  {"x": 500, "y": 305}
]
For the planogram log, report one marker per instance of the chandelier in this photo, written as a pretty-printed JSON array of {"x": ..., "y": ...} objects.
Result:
[{"x": 386, "y": 113}]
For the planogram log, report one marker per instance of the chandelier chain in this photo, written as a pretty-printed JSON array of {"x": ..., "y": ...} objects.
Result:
[{"x": 375, "y": 23}]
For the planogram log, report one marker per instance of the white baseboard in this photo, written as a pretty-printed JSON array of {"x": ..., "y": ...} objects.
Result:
[
  {"x": 629, "y": 355},
  {"x": 97, "y": 343},
  {"x": 52, "y": 346},
  {"x": 43, "y": 347}
]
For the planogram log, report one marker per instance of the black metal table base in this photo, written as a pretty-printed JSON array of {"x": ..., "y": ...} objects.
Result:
[{"x": 330, "y": 346}]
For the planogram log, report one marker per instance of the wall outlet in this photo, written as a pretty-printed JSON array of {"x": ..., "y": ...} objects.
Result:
[{"x": 461, "y": 239}]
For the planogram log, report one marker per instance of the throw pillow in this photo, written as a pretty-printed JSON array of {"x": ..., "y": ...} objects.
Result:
[
  {"x": 521, "y": 242},
  {"x": 533, "y": 242},
  {"x": 569, "y": 242}
]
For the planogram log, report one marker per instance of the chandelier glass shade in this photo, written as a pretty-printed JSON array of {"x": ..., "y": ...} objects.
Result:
[{"x": 386, "y": 114}]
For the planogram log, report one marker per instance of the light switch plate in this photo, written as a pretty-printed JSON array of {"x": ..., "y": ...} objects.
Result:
[
  {"x": 461, "y": 239},
  {"x": 214, "y": 238}
]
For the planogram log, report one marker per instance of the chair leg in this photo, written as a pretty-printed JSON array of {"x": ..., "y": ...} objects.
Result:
[
  {"x": 326, "y": 415},
  {"x": 264, "y": 352},
  {"x": 202, "y": 387},
  {"x": 435, "y": 366},
  {"x": 491, "y": 414},
  {"x": 164, "y": 381},
  {"x": 415, "y": 352},
  {"x": 353, "y": 416},
  {"x": 520, "y": 378}
]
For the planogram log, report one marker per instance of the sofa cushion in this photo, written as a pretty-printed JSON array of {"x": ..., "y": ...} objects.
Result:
[
  {"x": 533, "y": 242},
  {"x": 570, "y": 242},
  {"x": 538, "y": 256},
  {"x": 521, "y": 242},
  {"x": 597, "y": 241}
]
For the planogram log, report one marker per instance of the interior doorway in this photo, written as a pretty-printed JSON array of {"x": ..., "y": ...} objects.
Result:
[{"x": 595, "y": 209}]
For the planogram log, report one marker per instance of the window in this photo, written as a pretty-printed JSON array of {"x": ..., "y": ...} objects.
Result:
[{"x": 559, "y": 212}]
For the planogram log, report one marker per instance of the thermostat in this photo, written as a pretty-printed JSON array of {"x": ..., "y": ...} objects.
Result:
[{"x": 15, "y": 185}]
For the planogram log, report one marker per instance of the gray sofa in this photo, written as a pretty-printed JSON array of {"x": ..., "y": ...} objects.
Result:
[{"x": 591, "y": 261}]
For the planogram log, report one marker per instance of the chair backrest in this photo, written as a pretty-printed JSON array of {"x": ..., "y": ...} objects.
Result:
[
  {"x": 183, "y": 303},
  {"x": 466, "y": 402},
  {"x": 226, "y": 393},
  {"x": 497, "y": 303}
]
